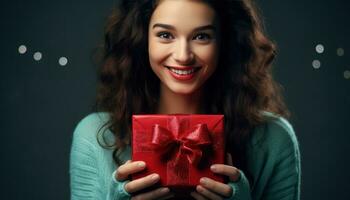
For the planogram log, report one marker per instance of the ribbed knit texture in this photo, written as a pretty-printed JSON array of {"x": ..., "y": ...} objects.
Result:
[{"x": 273, "y": 162}]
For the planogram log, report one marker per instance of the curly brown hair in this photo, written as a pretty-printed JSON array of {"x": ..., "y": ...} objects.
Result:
[{"x": 241, "y": 87}]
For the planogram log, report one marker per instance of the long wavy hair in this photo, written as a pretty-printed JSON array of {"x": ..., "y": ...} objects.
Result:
[{"x": 241, "y": 87}]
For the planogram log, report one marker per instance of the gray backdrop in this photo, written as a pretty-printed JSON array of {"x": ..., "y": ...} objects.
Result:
[{"x": 42, "y": 101}]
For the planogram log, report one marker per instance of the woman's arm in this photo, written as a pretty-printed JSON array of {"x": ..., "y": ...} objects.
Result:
[
  {"x": 85, "y": 171},
  {"x": 90, "y": 179},
  {"x": 275, "y": 162},
  {"x": 284, "y": 182}
]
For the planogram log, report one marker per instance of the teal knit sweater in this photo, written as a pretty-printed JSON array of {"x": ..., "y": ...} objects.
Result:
[{"x": 273, "y": 162}]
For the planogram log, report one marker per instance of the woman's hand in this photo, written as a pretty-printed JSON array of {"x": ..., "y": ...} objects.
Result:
[
  {"x": 131, "y": 187},
  {"x": 210, "y": 189}
]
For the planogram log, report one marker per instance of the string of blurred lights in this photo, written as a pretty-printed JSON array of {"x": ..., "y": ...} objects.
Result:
[
  {"x": 316, "y": 64},
  {"x": 37, "y": 56}
]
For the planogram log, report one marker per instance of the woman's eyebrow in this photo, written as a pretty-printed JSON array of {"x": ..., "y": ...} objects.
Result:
[{"x": 170, "y": 27}]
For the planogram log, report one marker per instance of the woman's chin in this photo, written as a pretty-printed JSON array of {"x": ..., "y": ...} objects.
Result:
[{"x": 183, "y": 91}]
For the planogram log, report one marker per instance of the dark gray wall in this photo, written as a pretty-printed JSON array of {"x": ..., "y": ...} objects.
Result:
[
  {"x": 41, "y": 101},
  {"x": 319, "y": 99}
]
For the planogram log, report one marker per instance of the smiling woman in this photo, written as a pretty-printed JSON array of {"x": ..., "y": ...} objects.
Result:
[
  {"x": 182, "y": 53},
  {"x": 188, "y": 57}
]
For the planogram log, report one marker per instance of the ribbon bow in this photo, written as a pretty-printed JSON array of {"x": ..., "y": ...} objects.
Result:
[{"x": 189, "y": 143}]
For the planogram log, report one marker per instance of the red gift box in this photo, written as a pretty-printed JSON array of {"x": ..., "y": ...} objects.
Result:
[{"x": 179, "y": 147}]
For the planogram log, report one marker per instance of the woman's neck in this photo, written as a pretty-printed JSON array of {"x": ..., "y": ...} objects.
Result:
[{"x": 172, "y": 103}]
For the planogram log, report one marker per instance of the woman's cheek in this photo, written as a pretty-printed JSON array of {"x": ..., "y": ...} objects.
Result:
[
  {"x": 208, "y": 55},
  {"x": 158, "y": 52}
]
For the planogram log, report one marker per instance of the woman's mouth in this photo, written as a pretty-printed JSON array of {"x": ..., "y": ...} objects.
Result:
[{"x": 183, "y": 73}]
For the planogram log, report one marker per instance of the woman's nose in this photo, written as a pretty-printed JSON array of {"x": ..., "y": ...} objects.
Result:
[{"x": 183, "y": 53}]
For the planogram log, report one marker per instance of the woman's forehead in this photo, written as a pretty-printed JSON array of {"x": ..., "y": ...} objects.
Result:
[{"x": 183, "y": 12}]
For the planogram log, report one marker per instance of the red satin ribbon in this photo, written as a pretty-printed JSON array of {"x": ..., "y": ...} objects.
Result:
[{"x": 189, "y": 143}]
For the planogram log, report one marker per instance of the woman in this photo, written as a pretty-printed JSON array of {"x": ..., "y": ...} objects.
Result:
[{"x": 187, "y": 56}]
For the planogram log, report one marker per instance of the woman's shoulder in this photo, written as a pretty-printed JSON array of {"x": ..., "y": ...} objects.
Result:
[
  {"x": 88, "y": 127},
  {"x": 95, "y": 118},
  {"x": 275, "y": 134}
]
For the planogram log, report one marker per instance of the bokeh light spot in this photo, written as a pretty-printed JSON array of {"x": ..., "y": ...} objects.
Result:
[
  {"x": 63, "y": 61},
  {"x": 37, "y": 56},
  {"x": 319, "y": 48},
  {"x": 22, "y": 49},
  {"x": 340, "y": 52},
  {"x": 316, "y": 64},
  {"x": 347, "y": 74}
]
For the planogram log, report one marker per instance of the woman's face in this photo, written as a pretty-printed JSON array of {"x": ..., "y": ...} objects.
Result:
[{"x": 183, "y": 44}]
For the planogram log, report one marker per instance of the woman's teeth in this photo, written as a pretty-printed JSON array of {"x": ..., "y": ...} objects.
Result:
[{"x": 182, "y": 72}]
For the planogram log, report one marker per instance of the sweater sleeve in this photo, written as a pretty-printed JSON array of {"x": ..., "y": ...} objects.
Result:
[
  {"x": 273, "y": 164},
  {"x": 85, "y": 172},
  {"x": 240, "y": 189},
  {"x": 277, "y": 176},
  {"x": 284, "y": 183}
]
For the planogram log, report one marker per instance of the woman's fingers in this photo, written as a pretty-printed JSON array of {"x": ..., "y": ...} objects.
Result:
[
  {"x": 208, "y": 193},
  {"x": 128, "y": 168},
  {"x": 128, "y": 161},
  {"x": 198, "y": 196},
  {"x": 123, "y": 172},
  {"x": 209, "y": 185},
  {"x": 160, "y": 193},
  {"x": 141, "y": 183},
  {"x": 230, "y": 171}
]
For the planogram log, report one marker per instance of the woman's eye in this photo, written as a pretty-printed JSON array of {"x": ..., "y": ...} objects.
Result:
[
  {"x": 164, "y": 35},
  {"x": 202, "y": 36}
]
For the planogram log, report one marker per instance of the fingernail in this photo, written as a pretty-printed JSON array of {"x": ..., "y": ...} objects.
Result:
[
  {"x": 203, "y": 181},
  {"x": 141, "y": 164},
  {"x": 155, "y": 177},
  {"x": 199, "y": 189},
  {"x": 213, "y": 168}
]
